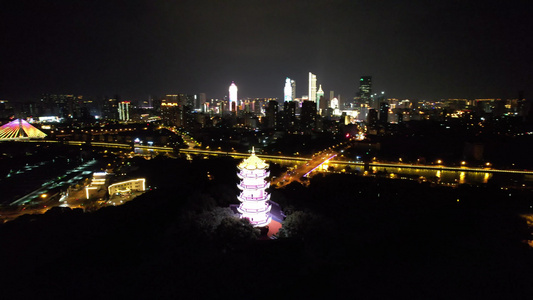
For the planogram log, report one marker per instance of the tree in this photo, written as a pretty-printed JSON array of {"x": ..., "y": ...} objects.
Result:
[
  {"x": 300, "y": 224},
  {"x": 233, "y": 231}
]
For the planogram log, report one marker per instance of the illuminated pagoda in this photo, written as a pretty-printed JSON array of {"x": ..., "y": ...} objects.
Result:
[
  {"x": 255, "y": 205},
  {"x": 20, "y": 129}
]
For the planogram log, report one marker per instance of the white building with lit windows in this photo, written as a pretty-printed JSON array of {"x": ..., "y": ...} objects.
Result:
[
  {"x": 233, "y": 97},
  {"x": 124, "y": 110},
  {"x": 287, "y": 90},
  {"x": 312, "y": 87}
]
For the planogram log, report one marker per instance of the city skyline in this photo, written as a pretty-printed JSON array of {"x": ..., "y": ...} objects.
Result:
[{"x": 416, "y": 50}]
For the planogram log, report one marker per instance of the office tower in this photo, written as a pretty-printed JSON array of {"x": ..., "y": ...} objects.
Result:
[
  {"x": 293, "y": 87},
  {"x": 124, "y": 110},
  {"x": 190, "y": 101},
  {"x": 308, "y": 116},
  {"x": 334, "y": 103},
  {"x": 110, "y": 108},
  {"x": 233, "y": 97},
  {"x": 289, "y": 115},
  {"x": 272, "y": 114},
  {"x": 6, "y": 110},
  {"x": 365, "y": 90},
  {"x": 201, "y": 104},
  {"x": 312, "y": 87},
  {"x": 320, "y": 103},
  {"x": 287, "y": 91},
  {"x": 171, "y": 113},
  {"x": 384, "y": 112},
  {"x": 372, "y": 117}
]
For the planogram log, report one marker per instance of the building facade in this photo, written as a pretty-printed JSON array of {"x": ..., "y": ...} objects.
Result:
[{"x": 312, "y": 87}]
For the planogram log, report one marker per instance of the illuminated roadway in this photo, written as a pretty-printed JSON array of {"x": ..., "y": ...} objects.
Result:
[
  {"x": 299, "y": 159},
  {"x": 372, "y": 164},
  {"x": 303, "y": 171}
]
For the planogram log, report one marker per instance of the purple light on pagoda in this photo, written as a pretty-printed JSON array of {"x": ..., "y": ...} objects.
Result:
[{"x": 253, "y": 197}]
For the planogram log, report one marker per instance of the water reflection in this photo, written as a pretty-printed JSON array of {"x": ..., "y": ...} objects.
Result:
[
  {"x": 441, "y": 176},
  {"x": 486, "y": 177}
]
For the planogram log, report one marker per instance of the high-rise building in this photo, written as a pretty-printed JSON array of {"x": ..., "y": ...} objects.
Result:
[
  {"x": 110, "y": 108},
  {"x": 289, "y": 115},
  {"x": 372, "y": 117},
  {"x": 334, "y": 103},
  {"x": 255, "y": 205},
  {"x": 190, "y": 101},
  {"x": 233, "y": 97},
  {"x": 201, "y": 104},
  {"x": 312, "y": 87},
  {"x": 293, "y": 86},
  {"x": 272, "y": 114},
  {"x": 6, "y": 110},
  {"x": 384, "y": 112},
  {"x": 287, "y": 91},
  {"x": 365, "y": 89},
  {"x": 171, "y": 114},
  {"x": 124, "y": 111},
  {"x": 308, "y": 116},
  {"x": 320, "y": 103}
]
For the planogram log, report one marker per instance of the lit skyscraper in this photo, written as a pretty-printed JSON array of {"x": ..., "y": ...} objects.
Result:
[
  {"x": 124, "y": 110},
  {"x": 287, "y": 91},
  {"x": 319, "y": 97},
  {"x": 365, "y": 88},
  {"x": 312, "y": 87},
  {"x": 233, "y": 96},
  {"x": 293, "y": 86}
]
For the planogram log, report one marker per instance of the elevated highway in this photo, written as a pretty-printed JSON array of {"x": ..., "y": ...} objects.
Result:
[{"x": 295, "y": 159}]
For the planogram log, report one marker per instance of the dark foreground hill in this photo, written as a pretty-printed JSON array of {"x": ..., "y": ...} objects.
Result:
[{"x": 340, "y": 238}]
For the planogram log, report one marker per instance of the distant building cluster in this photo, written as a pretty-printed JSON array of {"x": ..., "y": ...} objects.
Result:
[{"x": 317, "y": 111}]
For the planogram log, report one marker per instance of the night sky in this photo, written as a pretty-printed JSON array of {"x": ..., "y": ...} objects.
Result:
[{"x": 413, "y": 49}]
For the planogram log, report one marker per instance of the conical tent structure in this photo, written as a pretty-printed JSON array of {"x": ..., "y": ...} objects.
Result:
[{"x": 20, "y": 129}]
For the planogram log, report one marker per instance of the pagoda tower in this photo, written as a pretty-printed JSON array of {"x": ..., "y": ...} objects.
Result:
[{"x": 254, "y": 199}]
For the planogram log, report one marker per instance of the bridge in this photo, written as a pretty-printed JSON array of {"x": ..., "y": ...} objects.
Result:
[{"x": 278, "y": 158}]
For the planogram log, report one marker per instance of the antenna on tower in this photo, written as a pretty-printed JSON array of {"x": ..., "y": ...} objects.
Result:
[{"x": 253, "y": 150}]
